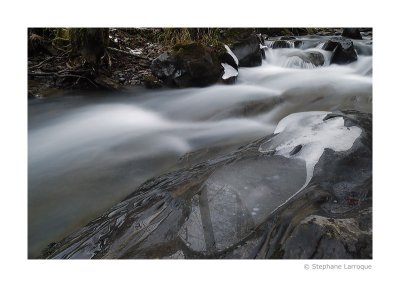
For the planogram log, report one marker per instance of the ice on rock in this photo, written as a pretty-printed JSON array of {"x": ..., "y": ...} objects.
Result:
[
  {"x": 232, "y": 54},
  {"x": 229, "y": 71},
  {"x": 306, "y": 135}
]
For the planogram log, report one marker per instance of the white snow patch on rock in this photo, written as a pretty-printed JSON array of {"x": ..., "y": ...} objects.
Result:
[
  {"x": 229, "y": 71},
  {"x": 308, "y": 130},
  {"x": 232, "y": 54}
]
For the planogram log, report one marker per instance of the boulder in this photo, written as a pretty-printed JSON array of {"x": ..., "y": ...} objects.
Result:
[
  {"x": 287, "y": 42},
  {"x": 297, "y": 193},
  {"x": 316, "y": 58},
  {"x": 343, "y": 51},
  {"x": 281, "y": 44},
  {"x": 297, "y": 43},
  {"x": 248, "y": 51},
  {"x": 188, "y": 65},
  {"x": 352, "y": 33}
]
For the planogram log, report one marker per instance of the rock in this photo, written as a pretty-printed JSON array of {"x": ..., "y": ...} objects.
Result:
[
  {"x": 332, "y": 217},
  {"x": 188, "y": 65},
  {"x": 321, "y": 237},
  {"x": 248, "y": 51},
  {"x": 316, "y": 58},
  {"x": 343, "y": 51},
  {"x": 352, "y": 33},
  {"x": 297, "y": 43},
  {"x": 151, "y": 82},
  {"x": 228, "y": 57},
  {"x": 164, "y": 66},
  {"x": 106, "y": 83},
  {"x": 230, "y": 63},
  {"x": 256, "y": 202},
  {"x": 304, "y": 59},
  {"x": 281, "y": 44}
]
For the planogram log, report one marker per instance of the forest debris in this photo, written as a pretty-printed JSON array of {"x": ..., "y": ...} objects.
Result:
[{"x": 126, "y": 53}]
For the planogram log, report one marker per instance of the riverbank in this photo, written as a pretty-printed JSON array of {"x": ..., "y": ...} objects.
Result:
[{"x": 129, "y": 54}]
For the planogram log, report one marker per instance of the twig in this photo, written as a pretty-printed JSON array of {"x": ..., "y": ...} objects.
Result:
[
  {"x": 41, "y": 63},
  {"x": 62, "y": 75},
  {"x": 127, "y": 53},
  {"x": 48, "y": 59}
]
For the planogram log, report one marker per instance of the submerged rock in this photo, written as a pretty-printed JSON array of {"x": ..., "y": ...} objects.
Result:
[
  {"x": 302, "y": 192},
  {"x": 248, "y": 51},
  {"x": 308, "y": 59},
  {"x": 188, "y": 65},
  {"x": 342, "y": 49}
]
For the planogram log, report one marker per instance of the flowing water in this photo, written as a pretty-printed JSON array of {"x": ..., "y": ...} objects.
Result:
[{"x": 87, "y": 153}]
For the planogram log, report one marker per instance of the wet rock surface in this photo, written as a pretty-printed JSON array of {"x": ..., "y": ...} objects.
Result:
[
  {"x": 352, "y": 33},
  {"x": 247, "y": 204},
  {"x": 311, "y": 57},
  {"x": 248, "y": 51},
  {"x": 188, "y": 65},
  {"x": 343, "y": 51},
  {"x": 281, "y": 44}
]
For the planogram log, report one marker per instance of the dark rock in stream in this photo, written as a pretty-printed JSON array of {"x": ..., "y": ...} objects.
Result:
[
  {"x": 287, "y": 42},
  {"x": 281, "y": 44},
  {"x": 248, "y": 51},
  {"x": 352, "y": 33},
  {"x": 342, "y": 49},
  {"x": 246, "y": 204},
  {"x": 188, "y": 65},
  {"x": 316, "y": 58}
]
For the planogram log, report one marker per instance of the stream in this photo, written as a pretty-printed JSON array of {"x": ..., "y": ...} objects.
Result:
[{"x": 88, "y": 152}]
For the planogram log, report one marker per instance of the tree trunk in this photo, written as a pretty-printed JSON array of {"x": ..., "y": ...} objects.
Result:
[{"x": 89, "y": 43}]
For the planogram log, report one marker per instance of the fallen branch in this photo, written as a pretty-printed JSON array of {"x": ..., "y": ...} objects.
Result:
[
  {"x": 61, "y": 76},
  {"x": 127, "y": 53},
  {"x": 41, "y": 63}
]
